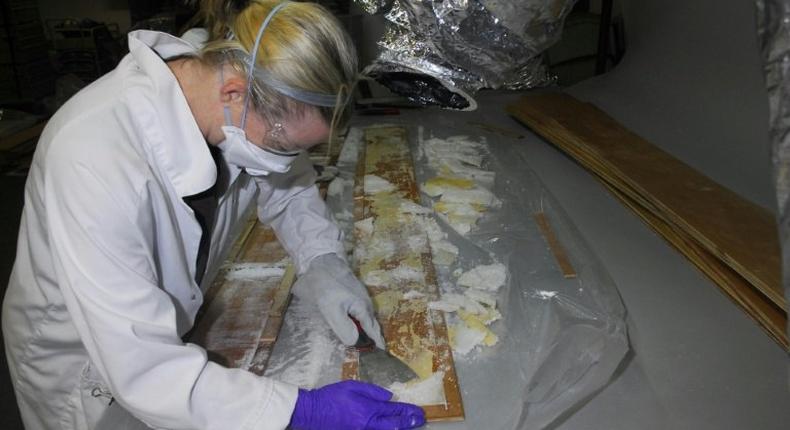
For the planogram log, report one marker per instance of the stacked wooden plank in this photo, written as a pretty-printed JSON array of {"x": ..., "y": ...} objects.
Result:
[{"x": 733, "y": 241}]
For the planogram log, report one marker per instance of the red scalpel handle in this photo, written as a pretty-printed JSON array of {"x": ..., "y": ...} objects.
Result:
[{"x": 364, "y": 342}]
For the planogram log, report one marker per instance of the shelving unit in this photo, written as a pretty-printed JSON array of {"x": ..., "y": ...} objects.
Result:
[{"x": 25, "y": 70}]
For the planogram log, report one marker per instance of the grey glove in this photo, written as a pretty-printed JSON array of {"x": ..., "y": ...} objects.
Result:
[{"x": 332, "y": 287}]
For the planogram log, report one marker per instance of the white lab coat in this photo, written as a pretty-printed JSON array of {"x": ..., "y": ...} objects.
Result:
[{"x": 103, "y": 285}]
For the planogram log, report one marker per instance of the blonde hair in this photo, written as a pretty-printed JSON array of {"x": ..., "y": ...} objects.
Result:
[{"x": 304, "y": 47}]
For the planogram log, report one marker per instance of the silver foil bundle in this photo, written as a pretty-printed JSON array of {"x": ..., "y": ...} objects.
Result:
[{"x": 441, "y": 52}]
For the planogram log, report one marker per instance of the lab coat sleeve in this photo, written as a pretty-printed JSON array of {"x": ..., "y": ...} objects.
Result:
[
  {"x": 101, "y": 241},
  {"x": 290, "y": 203}
]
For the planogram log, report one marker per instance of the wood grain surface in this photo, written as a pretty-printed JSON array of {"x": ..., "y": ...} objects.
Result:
[
  {"x": 241, "y": 318},
  {"x": 740, "y": 233},
  {"x": 708, "y": 220},
  {"x": 409, "y": 327},
  {"x": 770, "y": 317},
  {"x": 560, "y": 256}
]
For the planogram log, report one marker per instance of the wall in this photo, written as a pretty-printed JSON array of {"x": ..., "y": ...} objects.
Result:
[
  {"x": 107, "y": 11},
  {"x": 691, "y": 82}
]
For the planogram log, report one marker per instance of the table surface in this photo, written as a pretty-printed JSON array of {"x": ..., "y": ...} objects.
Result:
[{"x": 697, "y": 361}]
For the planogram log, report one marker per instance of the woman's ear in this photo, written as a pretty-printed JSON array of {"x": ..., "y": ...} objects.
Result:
[{"x": 232, "y": 90}]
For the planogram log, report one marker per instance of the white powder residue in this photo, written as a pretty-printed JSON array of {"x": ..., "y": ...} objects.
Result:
[
  {"x": 480, "y": 296},
  {"x": 418, "y": 243},
  {"x": 253, "y": 271},
  {"x": 379, "y": 246},
  {"x": 462, "y": 225},
  {"x": 312, "y": 347},
  {"x": 375, "y": 184},
  {"x": 337, "y": 186},
  {"x": 485, "y": 277},
  {"x": 440, "y": 305},
  {"x": 444, "y": 252},
  {"x": 466, "y": 338},
  {"x": 376, "y": 278},
  {"x": 407, "y": 273},
  {"x": 429, "y": 391},
  {"x": 350, "y": 151},
  {"x": 344, "y": 215},
  {"x": 542, "y": 294},
  {"x": 409, "y": 207},
  {"x": 492, "y": 315},
  {"x": 478, "y": 195},
  {"x": 457, "y": 301},
  {"x": 413, "y": 295},
  {"x": 364, "y": 227},
  {"x": 483, "y": 178},
  {"x": 400, "y": 274},
  {"x": 431, "y": 228}
]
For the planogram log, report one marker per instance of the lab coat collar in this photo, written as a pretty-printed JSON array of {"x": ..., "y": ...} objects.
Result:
[{"x": 180, "y": 146}]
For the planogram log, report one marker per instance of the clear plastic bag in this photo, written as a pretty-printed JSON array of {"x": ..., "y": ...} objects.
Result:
[{"x": 560, "y": 340}]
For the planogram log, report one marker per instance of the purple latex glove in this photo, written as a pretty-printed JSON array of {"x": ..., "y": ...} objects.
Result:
[{"x": 353, "y": 405}]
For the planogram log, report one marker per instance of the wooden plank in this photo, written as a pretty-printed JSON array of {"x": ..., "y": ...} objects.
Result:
[
  {"x": 241, "y": 319},
  {"x": 564, "y": 263},
  {"x": 408, "y": 326},
  {"x": 262, "y": 246},
  {"x": 770, "y": 317},
  {"x": 739, "y": 233}
]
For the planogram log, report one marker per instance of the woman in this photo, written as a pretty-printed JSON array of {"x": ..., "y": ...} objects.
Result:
[{"x": 135, "y": 187}]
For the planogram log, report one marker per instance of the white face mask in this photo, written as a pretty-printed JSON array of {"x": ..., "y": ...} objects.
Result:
[{"x": 255, "y": 160}]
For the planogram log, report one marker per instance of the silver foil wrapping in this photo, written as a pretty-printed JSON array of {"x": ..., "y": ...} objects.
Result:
[
  {"x": 443, "y": 51},
  {"x": 773, "y": 28}
]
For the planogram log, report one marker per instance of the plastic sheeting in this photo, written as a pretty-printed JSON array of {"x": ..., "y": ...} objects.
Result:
[
  {"x": 773, "y": 28},
  {"x": 560, "y": 339},
  {"x": 441, "y": 52}
]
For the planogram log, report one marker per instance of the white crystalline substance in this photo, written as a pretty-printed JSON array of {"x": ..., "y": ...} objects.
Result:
[
  {"x": 482, "y": 177},
  {"x": 375, "y": 185},
  {"x": 443, "y": 306},
  {"x": 313, "y": 349},
  {"x": 337, "y": 186},
  {"x": 429, "y": 391},
  {"x": 491, "y": 316},
  {"x": 480, "y": 296},
  {"x": 380, "y": 247},
  {"x": 376, "y": 278},
  {"x": 350, "y": 151},
  {"x": 400, "y": 274},
  {"x": 444, "y": 252},
  {"x": 345, "y": 215},
  {"x": 413, "y": 295},
  {"x": 409, "y": 207},
  {"x": 418, "y": 243},
  {"x": 253, "y": 271},
  {"x": 453, "y": 302},
  {"x": 466, "y": 338},
  {"x": 462, "y": 225},
  {"x": 431, "y": 228},
  {"x": 459, "y": 155},
  {"x": 407, "y": 273},
  {"x": 478, "y": 195},
  {"x": 453, "y": 148},
  {"x": 364, "y": 227},
  {"x": 485, "y": 277},
  {"x": 545, "y": 294}
]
